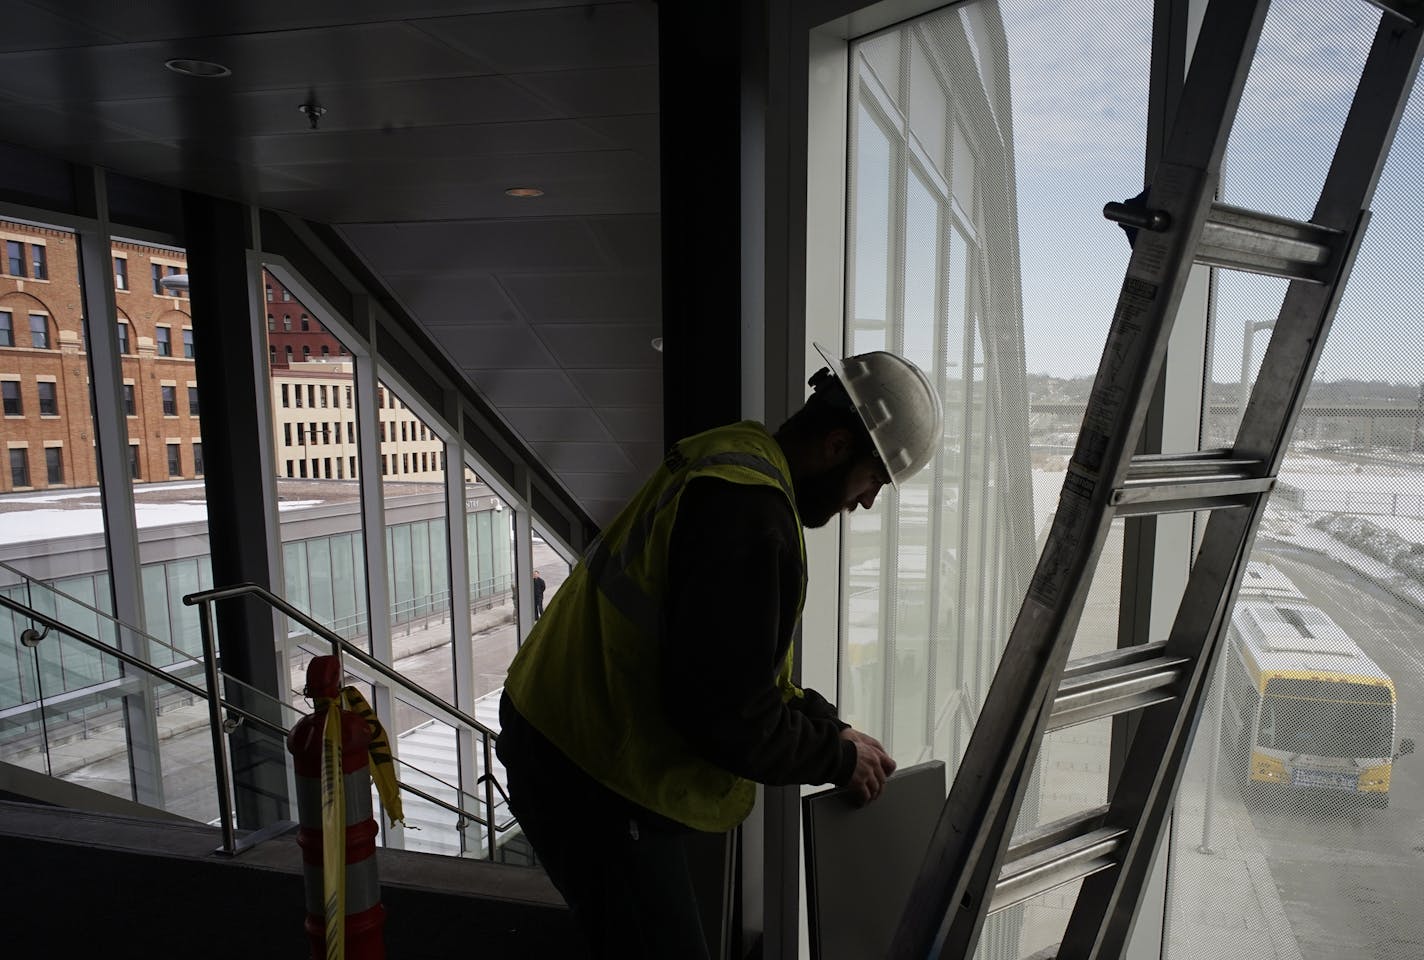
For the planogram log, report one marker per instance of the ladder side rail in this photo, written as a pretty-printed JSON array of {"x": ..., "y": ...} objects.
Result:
[
  {"x": 960, "y": 928},
  {"x": 1007, "y": 735},
  {"x": 1103, "y": 917}
]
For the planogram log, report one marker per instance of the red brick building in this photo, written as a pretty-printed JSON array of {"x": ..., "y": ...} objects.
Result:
[
  {"x": 293, "y": 335},
  {"x": 46, "y": 427}
]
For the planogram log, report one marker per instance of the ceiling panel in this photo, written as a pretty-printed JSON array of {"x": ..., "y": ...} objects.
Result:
[
  {"x": 444, "y": 299},
  {"x": 596, "y": 93},
  {"x": 474, "y": 349},
  {"x": 226, "y": 117},
  {"x": 632, "y": 242},
  {"x": 604, "y": 296},
  {"x": 463, "y": 141},
  {"x": 645, "y": 457},
  {"x": 597, "y": 486},
  {"x": 557, "y": 423},
  {"x": 156, "y": 19},
  {"x": 632, "y": 423},
  {"x": 574, "y": 38},
  {"x": 637, "y": 133},
  {"x": 602, "y": 344},
  {"x": 530, "y": 388},
  {"x": 434, "y": 109},
  {"x": 298, "y": 59},
  {"x": 584, "y": 457},
  {"x": 477, "y": 247},
  {"x": 623, "y": 387},
  {"x": 30, "y": 27}
]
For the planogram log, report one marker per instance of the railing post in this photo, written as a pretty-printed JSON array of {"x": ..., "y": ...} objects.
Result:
[
  {"x": 221, "y": 764},
  {"x": 489, "y": 795}
]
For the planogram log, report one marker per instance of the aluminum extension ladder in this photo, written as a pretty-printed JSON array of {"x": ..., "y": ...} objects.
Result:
[{"x": 970, "y": 867}]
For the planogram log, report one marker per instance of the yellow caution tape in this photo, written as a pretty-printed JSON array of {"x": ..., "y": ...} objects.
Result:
[
  {"x": 383, "y": 766},
  {"x": 333, "y": 834}
]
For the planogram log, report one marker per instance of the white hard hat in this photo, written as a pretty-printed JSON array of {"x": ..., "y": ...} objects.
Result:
[{"x": 898, "y": 405}]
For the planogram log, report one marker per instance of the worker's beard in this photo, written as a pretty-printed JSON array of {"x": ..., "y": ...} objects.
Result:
[{"x": 821, "y": 496}]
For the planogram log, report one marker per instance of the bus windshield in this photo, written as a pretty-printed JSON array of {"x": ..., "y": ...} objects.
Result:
[{"x": 1324, "y": 718}]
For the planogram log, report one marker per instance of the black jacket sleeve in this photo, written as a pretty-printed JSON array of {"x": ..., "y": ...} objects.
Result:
[{"x": 734, "y": 576}]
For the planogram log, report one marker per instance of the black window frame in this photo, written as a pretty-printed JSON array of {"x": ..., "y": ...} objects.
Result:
[
  {"x": 163, "y": 341},
  {"x": 19, "y": 467},
  {"x": 10, "y": 393},
  {"x": 170, "y": 400},
  {"x": 53, "y": 404},
  {"x": 54, "y": 465},
  {"x": 15, "y": 255},
  {"x": 42, "y": 328}
]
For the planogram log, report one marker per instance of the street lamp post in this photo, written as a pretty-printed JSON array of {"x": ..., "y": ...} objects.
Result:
[{"x": 1248, "y": 346}]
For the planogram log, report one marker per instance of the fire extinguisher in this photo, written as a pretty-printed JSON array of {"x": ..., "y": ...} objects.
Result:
[{"x": 337, "y": 833}]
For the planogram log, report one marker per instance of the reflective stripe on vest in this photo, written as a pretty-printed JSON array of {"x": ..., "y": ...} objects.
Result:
[{"x": 586, "y": 677}]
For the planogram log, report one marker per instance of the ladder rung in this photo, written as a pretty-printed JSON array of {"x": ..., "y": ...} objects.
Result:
[
  {"x": 1173, "y": 483},
  {"x": 1260, "y": 243},
  {"x": 1055, "y": 854},
  {"x": 1109, "y": 684}
]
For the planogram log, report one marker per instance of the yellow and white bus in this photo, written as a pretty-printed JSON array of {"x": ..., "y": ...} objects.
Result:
[{"x": 1304, "y": 707}]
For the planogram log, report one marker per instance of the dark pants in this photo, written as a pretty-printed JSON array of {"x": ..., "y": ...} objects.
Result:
[{"x": 622, "y": 870}]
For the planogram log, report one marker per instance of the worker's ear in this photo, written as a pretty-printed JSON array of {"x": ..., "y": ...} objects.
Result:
[{"x": 838, "y": 446}]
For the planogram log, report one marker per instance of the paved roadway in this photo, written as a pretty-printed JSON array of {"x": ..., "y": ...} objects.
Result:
[
  {"x": 493, "y": 648},
  {"x": 1350, "y": 880}
]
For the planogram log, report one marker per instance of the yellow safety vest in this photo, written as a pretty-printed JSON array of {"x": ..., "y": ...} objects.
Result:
[{"x": 587, "y": 676}]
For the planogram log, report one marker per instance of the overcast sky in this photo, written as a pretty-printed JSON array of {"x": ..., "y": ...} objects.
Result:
[{"x": 1080, "y": 104}]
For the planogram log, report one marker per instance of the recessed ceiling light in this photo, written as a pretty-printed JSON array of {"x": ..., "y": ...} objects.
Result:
[
  {"x": 658, "y": 344},
  {"x": 198, "y": 68},
  {"x": 524, "y": 192}
]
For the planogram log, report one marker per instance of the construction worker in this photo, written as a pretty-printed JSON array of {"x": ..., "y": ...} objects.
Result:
[{"x": 656, "y": 688}]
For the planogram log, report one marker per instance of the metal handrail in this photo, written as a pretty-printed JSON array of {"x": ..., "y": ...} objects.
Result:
[
  {"x": 206, "y": 599},
  {"x": 339, "y": 645},
  {"x": 230, "y": 843},
  {"x": 30, "y": 613}
]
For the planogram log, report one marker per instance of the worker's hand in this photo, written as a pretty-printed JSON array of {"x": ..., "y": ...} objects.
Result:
[{"x": 872, "y": 765}]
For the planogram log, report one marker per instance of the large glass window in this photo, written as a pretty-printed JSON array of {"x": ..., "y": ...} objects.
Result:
[
  {"x": 1297, "y": 822},
  {"x": 323, "y": 546},
  {"x": 15, "y": 258},
  {"x": 978, "y": 165},
  {"x": 7, "y": 329},
  {"x": 14, "y": 404},
  {"x": 39, "y": 331}
]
